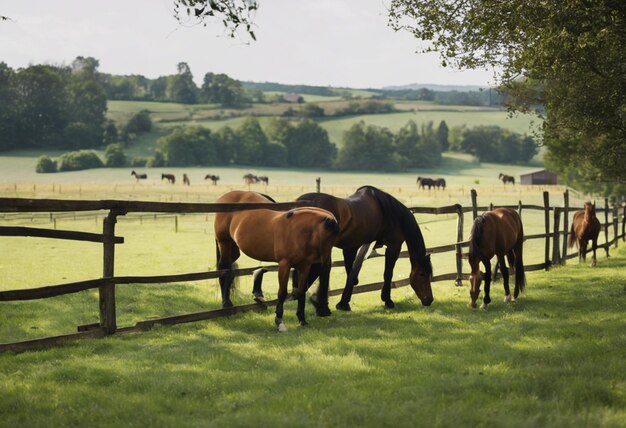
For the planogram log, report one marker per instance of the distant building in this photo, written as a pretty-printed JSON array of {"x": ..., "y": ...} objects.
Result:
[
  {"x": 542, "y": 176},
  {"x": 293, "y": 98}
]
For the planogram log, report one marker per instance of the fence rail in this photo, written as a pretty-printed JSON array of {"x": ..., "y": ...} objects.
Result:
[{"x": 107, "y": 283}]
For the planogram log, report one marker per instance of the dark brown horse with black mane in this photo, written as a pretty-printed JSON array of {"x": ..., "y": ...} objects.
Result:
[
  {"x": 585, "y": 227},
  {"x": 440, "y": 183},
  {"x": 500, "y": 233},
  {"x": 423, "y": 182},
  {"x": 171, "y": 178},
  {"x": 507, "y": 178},
  {"x": 264, "y": 179},
  {"x": 296, "y": 238},
  {"x": 371, "y": 215}
]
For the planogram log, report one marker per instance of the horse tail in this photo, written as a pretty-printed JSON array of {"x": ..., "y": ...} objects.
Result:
[
  {"x": 571, "y": 238},
  {"x": 331, "y": 225}
]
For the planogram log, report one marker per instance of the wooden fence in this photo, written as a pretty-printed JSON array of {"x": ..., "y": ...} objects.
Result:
[{"x": 107, "y": 283}]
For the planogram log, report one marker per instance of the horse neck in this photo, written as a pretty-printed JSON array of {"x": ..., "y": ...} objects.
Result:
[{"x": 589, "y": 214}]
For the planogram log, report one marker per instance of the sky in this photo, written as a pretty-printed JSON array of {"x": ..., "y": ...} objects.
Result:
[{"x": 340, "y": 43}]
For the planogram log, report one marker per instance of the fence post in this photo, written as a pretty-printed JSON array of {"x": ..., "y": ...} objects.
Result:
[
  {"x": 459, "y": 237},
  {"x": 318, "y": 184},
  {"x": 606, "y": 226},
  {"x": 107, "y": 292},
  {"x": 546, "y": 211},
  {"x": 615, "y": 215},
  {"x": 556, "y": 245},
  {"x": 519, "y": 209},
  {"x": 624, "y": 222},
  {"x": 565, "y": 225},
  {"x": 474, "y": 205}
]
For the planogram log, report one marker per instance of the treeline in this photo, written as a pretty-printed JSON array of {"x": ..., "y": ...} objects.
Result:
[
  {"x": 494, "y": 144},
  {"x": 487, "y": 98},
  {"x": 60, "y": 107}
]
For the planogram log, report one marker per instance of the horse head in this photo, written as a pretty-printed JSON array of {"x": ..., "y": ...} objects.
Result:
[
  {"x": 476, "y": 278},
  {"x": 421, "y": 274}
]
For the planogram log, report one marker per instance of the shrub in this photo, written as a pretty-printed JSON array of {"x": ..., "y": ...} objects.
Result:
[
  {"x": 45, "y": 165},
  {"x": 138, "y": 161},
  {"x": 114, "y": 156},
  {"x": 139, "y": 123},
  {"x": 81, "y": 159},
  {"x": 157, "y": 160}
]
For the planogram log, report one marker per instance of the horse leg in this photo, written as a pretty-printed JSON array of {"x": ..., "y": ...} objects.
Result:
[
  {"x": 349, "y": 255},
  {"x": 583, "y": 250},
  {"x": 257, "y": 290},
  {"x": 391, "y": 256},
  {"x": 505, "y": 279},
  {"x": 320, "y": 301},
  {"x": 229, "y": 252},
  {"x": 283, "y": 280},
  {"x": 594, "y": 246},
  {"x": 303, "y": 274},
  {"x": 487, "y": 278}
]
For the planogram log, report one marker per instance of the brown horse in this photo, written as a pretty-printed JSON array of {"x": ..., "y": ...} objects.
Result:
[
  {"x": 213, "y": 178},
  {"x": 264, "y": 179},
  {"x": 171, "y": 178},
  {"x": 423, "y": 182},
  {"x": 500, "y": 233},
  {"x": 585, "y": 227},
  {"x": 296, "y": 238},
  {"x": 371, "y": 215},
  {"x": 507, "y": 178},
  {"x": 186, "y": 181},
  {"x": 250, "y": 179}
]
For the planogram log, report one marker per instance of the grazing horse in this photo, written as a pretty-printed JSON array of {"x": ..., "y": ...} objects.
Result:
[
  {"x": 371, "y": 215},
  {"x": 423, "y": 182},
  {"x": 585, "y": 227},
  {"x": 440, "y": 183},
  {"x": 507, "y": 178},
  {"x": 500, "y": 233},
  {"x": 186, "y": 180},
  {"x": 171, "y": 178},
  {"x": 264, "y": 179},
  {"x": 139, "y": 176},
  {"x": 296, "y": 238},
  {"x": 213, "y": 178},
  {"x": 250, "y": 179}
]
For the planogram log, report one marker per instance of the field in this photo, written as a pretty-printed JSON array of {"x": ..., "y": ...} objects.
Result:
[{"x": 553, "y": 359}]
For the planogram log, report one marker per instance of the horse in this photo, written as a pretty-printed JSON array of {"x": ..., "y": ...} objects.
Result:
[
  {"x": 507, "y": 178},
  {"x": 423, "y": 182},
  {"x": 171, "y": 178},
  {"x": 186, "y": 180},
  {"x": 371, "y": 215},
  {"x": 213, "y": 178},
  {"x": 498, "y": 232},
  {"x": 296, "y": 238},
  {"x": 264, "y": 179},
  {"x": 440, "y": 183},
  {"x": 139, "y": 176},
  {"x": 585, "y": 227},
  {"x": 250, "y": 179}
]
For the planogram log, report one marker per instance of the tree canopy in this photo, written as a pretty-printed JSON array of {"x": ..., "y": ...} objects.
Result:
[{"x": 566, "y": 56}]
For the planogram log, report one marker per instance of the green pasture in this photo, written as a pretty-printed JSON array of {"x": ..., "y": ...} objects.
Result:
[{"x": 555, "y": 358}]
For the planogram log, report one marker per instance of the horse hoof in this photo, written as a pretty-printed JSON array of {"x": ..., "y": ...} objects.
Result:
[
  {"x": 343, "y": 306},
  {"x": 322, "y": 312},
  {"x": 260, "y": 299},
  {"x": 302, "y": 324},
  {"x": 483, "y": 307},
  {"x": 507, "y": 298},
  {"x": 472, "y": 305},
  {"x": 282, "y": 328},
  {"x": 389, "y": 304},
  {"x": 227, "y": 305}
]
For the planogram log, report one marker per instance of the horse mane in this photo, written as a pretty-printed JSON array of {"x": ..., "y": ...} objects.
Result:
[
  {"x": 398, "y": 213},
  {"x": 476, "y": 235}
]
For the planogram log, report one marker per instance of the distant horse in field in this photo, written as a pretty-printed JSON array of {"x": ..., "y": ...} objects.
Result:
[
  {"x": 507, "y": 178},
  {"x": 296, "y": 238},
  {"x": 213, "y": 178},
  {"x": 371, "y": 215},
  {"x": 139, "y": 176},
  {"x": 264, "y": 179},
  {"x": 500, "y": 233},
  {"x": 186, "y": 181},
  {"x": 585, "y": 227},
  {"x": 423, "y": 182},
  {"x": 250, "y": 179},
  {"x": 171, "y": 178},
  {"x": 440, "y": 183}
]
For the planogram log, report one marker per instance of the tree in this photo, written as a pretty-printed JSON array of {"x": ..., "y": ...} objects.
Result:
[
  {"x": 188, "y": 146},
  {"x": 78, "y": 160},
  {"x": 367, "y": 148},
  {"x": 233, "y": 13},
  {"x": 307, "y": 144},
  {"x": 180, "y": 87},
  {"x": 45, "y": 165},
  {"x": 8, "y": 108},
  {"x": 114, "y": 156},
  {"x": 139, "y": 123},
  {"x": 565, "y": 55},
  {"x": 442, "y": 136},
  {"x": 251, "y": 143},
  {"x": 219, "y": 88}
]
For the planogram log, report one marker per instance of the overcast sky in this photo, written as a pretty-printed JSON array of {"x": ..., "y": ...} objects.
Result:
[{"x": 316, "y": 42}]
